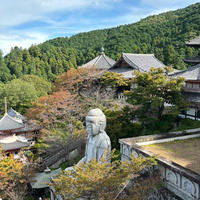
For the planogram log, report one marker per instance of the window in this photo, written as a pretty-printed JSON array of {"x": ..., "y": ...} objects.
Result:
[
  {"x": 189, "y": 85},
  {"x": 196, "y": 86}
]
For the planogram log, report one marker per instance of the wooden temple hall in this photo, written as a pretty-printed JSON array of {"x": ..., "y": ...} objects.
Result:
[
  {"x": 191, "y": 89},
  {"x": 16, "y": 132}
]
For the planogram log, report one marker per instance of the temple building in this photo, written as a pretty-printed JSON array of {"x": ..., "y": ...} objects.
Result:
[
  {"x": 191, "y": 89},
  {"x": 16, "y": 132},
  {"x": 101, "y": 62},
  {"x": 195, "y": 43},
  {"x": 130, "y": 62}
]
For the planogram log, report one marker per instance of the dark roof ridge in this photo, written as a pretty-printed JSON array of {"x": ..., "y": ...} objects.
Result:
[
  {"x": 157, "y": 59},
  {"x": 104, "y": 55},
  {"x": 98, "y": 58},
  {"x": 188, "y": 69},
  {"x": 126, "y": 57},
  {"x": 145, "y": 54}
]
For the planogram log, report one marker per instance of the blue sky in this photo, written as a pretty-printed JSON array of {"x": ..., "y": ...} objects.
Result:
[{"x": 26, "y": 22}]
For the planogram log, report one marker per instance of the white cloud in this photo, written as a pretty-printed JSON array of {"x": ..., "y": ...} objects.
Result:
[
  {"x": 168, "y": 4},
  {"x": 26, "y": 40},
  {"x": 15, "y": 12}
]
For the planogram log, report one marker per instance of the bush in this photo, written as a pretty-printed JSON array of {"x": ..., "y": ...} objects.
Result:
[
  {"x": 120, "y": 125},
  {"x": 164, "y": 125},
  {"x": 187, "y": 124}
]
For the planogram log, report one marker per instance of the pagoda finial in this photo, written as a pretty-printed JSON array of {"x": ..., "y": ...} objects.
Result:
[
  {"x": 5, "y": 104},
  {"x": 102, "y": 50}
]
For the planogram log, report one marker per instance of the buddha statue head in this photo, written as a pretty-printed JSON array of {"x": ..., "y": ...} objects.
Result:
[{"x": 95, "y": 122}]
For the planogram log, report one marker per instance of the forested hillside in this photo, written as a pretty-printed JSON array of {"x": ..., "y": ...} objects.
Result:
[{"x": 163, "y": 34}]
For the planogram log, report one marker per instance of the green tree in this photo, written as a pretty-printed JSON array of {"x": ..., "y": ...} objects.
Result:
[
  {"x": 99, "y": 181},
  {"x": 120, "y": 125},
  {"x": 20, "y": 94},
  {"x": 42, "y": 86},
  {"x": 113, "y": 79},
  {"x": 4, "y": 71},
  {"x": 154, "y": 88},
  {"x": 170, "y": 55}
]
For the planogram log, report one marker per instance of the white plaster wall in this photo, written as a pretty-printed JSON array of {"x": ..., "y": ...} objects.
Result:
[{"x": 191, "y": 111}]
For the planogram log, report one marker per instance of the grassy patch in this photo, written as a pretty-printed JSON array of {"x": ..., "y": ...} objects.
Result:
[
  {"x": 184, "y": 152},
  {"x": 63, "y": 165}
]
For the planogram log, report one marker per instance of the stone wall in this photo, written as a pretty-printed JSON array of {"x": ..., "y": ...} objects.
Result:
[{"x": 179, "y": 180}]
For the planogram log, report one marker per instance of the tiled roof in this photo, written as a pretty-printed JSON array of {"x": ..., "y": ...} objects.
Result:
[
  {"x": 28, "y": 126},
  {"x": 13, "y": 142},
  {"x": 8, "y": 123},
  {"x": 192, "y": 73},
  {"x": 141, "y": 62},
  {"x": 13, "y": 113},
  {"x": 195, "y": 41},
  {"x": 174, "y": 71},
  {"x": 100, "y": 62},
  {"x": 193, "y": 60},
  {"x": 17, "y": 122}
]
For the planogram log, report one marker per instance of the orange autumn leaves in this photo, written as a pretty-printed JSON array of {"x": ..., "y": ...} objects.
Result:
[{"x": 63, "y": 101}]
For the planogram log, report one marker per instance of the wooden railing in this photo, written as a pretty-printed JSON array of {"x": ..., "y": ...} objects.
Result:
[
  {"x": 63, "y": 152},
  {"x": 187, "y": 89}
]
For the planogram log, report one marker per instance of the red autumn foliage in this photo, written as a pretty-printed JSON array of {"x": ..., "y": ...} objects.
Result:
[{"x": 63, "y": 102}]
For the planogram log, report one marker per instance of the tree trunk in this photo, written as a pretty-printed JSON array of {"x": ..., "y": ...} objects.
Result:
[{"x": 160, "y": 111}]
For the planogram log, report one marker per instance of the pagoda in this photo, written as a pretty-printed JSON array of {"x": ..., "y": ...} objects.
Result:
[
  {"x": 195, "y": 43},
  {"x": 191, "y": 88},
  {"x": 16, "y": 132}
]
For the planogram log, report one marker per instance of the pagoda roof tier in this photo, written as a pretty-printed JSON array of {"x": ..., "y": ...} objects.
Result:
[
  {"x": 194, "y": 42},
  {"x": 17, "y": 123},
  {"x": 28, "y": 126},
  {"x": 194, "y": 60},
  {"x": 13, "y": 113},
  {"x": 13, "y": 142},
  {"x": 9, "y": 123},
  {"x": 192, "y": 73},
  {"x": 102, "y": 62}
]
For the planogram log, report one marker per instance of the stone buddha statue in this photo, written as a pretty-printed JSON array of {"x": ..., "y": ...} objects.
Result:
[{"x": 98, "y": 144}]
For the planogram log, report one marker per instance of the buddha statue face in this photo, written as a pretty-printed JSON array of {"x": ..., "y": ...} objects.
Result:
[{"x": 95, "y": 122}]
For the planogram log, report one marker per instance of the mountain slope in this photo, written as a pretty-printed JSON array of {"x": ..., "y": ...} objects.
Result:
[
  {"x": 150, "y": 35},
  {"x": 163, "y": 34}
]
